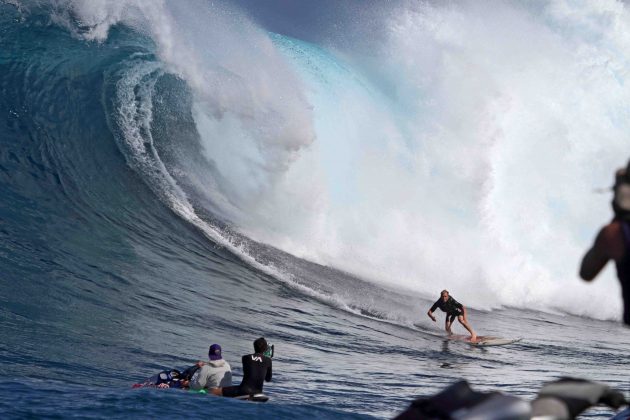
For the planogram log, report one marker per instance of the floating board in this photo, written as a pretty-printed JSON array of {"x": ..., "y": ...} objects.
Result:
[
  {"x": 253, "y": 397},
  {"x": 484, "y": 341}
]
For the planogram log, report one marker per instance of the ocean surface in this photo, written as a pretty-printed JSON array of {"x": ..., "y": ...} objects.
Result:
[{"x": 180, "y": 173}]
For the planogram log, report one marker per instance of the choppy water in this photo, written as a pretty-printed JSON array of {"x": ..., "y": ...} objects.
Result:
[{"x": 125, "y": 249}]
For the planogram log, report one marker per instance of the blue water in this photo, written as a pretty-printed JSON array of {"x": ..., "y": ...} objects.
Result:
[{"x": 103, "y": 284}]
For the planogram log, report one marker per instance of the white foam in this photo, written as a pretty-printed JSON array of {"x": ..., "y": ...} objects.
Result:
[{"x": 479, "y": 177}]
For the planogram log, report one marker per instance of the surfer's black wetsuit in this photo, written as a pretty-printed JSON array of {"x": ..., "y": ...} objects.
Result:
[
  {"x": 256, "y": 369},
  {"x": 623, "y": 271},
  {"x": 452, "y": 308}
]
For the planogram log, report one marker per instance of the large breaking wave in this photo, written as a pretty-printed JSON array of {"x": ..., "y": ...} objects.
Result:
[{"x": 445, "y": 150}]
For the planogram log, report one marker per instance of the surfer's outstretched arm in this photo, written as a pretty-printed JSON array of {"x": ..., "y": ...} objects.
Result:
[{"x": 430, "y": 313}]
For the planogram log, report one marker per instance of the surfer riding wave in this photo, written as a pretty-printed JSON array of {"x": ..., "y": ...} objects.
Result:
[{"x": 453, "y": 310}]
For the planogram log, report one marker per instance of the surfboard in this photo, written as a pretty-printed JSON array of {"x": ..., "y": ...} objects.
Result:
[
  {"x": 253, "y": 397},
  {"x": 495, "y": 341},
  {"x": 250, "y": 397},
  {"x": 484, "y": 341}
]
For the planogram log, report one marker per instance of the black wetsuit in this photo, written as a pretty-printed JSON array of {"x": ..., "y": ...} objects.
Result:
[
  {"x": 256, "y": 369},
  {"x": 452, "y": 308},
  {"x": 623, "y": 271}
]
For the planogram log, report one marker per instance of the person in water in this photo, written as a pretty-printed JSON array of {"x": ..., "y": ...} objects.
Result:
[
  {"x": 453, "y": 310},
  {"x": 217, "y": 373},
  {"x": 256, "y": 370},
  {"x": 613, "y": 241}
]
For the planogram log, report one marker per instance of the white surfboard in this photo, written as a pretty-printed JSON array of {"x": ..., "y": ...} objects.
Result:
[
  {"x": 494, "y": 341},
  {"x": 484, "y": 341},
  {"x": 260, "y": 397}
]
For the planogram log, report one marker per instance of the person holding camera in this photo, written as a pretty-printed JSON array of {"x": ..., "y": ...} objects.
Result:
[{"x": 613, "y": 241}]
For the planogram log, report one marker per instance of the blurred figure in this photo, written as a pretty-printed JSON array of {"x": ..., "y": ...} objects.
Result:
[
  {"x": 563, "y": 399},
  {"x": 613, "y": 241}
]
